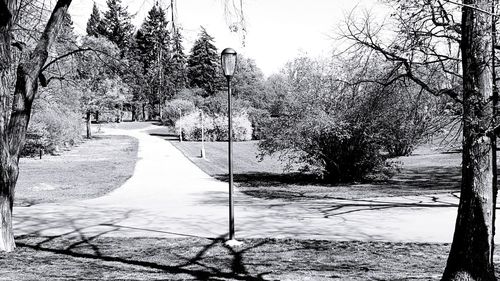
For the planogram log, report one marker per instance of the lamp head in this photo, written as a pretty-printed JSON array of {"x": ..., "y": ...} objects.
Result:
[{"x": 228, "y": 62}]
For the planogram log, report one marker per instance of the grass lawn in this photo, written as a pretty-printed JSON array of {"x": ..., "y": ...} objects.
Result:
[
  {"x": 55, "y": 258},
  {"x": 88, "y": 170},
  {"x": 426, "y": 172},
  {"x": 104, "y": 163}
]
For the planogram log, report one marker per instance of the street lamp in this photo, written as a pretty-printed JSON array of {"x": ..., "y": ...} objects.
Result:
[
  {"x": 228, "y": 63},
  {"x": 180, "y": 125},
  {"x": 202, "y": 136}
]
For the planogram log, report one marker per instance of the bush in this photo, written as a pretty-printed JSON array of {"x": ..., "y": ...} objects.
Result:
[
  {"x": 338, "y": 150},
  {"x": 215, "y": 127},
  {"x": 36, "y": 139},
  {"x": 191, "y": 126},
  {"x": 50, "y": 128}
]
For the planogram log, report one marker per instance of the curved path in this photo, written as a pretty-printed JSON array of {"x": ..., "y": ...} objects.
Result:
[{"x": 169, "y": 196}]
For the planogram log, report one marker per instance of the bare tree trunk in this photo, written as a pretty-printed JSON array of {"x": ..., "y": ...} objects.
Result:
[
  {"x": 7, "y": 182},
  {"x": 12, "y": 135},
  {"x": 88, "y": 122},
  {"x": 6, "y": 188},
  {"x": 134, "y": 113},
  {"x": 471, "y": 254}
]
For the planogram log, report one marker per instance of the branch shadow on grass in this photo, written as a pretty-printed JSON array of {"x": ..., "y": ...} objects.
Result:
[
  {"x": 84, "y": 242},
  {"x": 205, "y": 271},
  {"x": 255, "y": 179},
  {"x": 430, "y": 177},
  {"x": 410, "y": 181}
]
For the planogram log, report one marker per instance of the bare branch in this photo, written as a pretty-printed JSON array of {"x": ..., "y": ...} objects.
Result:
[{"x": 64, "y": 56}]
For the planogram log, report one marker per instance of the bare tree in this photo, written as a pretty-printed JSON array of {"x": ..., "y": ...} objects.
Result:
[
  {"x": 14, "y": 121},
  {"x": 446, "y": 56}
]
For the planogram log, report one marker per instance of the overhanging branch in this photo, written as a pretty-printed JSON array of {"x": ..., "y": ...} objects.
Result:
[{"x": 64, "y": 56}]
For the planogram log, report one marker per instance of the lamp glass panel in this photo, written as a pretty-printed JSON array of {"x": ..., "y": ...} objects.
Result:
[{"x": 228, "y": 64}]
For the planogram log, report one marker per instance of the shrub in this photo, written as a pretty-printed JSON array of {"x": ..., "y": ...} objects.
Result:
[
  {"x": 336, "y": 149},
  {"x": 36, "y": 139},
  {"x": 50, "y": 128},
  {"x": 215, "y": 127},
  {"x": 242, "y": 127},
  {"x": 191, "y": 126}
]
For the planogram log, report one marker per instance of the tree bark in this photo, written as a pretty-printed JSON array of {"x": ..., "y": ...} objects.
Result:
[
  {"x": 88, "y": 122},
  {"x": 13, "y": 131},
  {"x": 471, "y": 254},
  {"x": 134, "y": 113}
]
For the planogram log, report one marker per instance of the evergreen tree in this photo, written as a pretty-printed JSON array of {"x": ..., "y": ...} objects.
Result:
[
  {"x": 67, "y": 34},
  {"x": 153, "y": 38},
  {"x": 178, "y": 75},
  {"x": 94, "y": 25},
  {"x": 117, "y": 26},
  {"x": 153, "y": 51},
  {"x": 203, "y": 66}
]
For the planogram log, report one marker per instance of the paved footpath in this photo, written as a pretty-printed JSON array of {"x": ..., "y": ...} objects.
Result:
[{"x": 169, "y": 196}]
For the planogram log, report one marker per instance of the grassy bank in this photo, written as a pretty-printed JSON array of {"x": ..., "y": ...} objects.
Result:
[
  {"x": 88, "y": 170},
  {"x": 426, "y": 172},
  {"x": 55, "y": 258}
]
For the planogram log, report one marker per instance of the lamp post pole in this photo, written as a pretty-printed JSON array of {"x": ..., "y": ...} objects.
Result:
[
  {"x": 202, "y": 136},
  {"x": 230, "y": 151},
  {"x": 180, "y": 125},
  {"x": 228, "y": 63}
]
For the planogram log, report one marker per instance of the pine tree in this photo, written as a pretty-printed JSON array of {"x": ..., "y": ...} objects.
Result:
[
  {"x": 117, "y": 26},
  {"x": 153, "y": 51},
  {"x": 153, "y": 38},
  {"x": 178, "y": 74},
  {"x": 94, "y": 25},
  {"x": 67, "y": 33},
  {"x": 203, "y": 68}
]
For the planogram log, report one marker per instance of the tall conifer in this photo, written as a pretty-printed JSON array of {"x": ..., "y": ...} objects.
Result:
[
  {"x": 94, "y": 25},
  {"x": 117, "y": 26},
  {"x": 203, "y": 67}
]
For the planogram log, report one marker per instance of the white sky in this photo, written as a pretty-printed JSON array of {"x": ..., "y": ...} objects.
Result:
[{"x": 277, "y": 30}]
